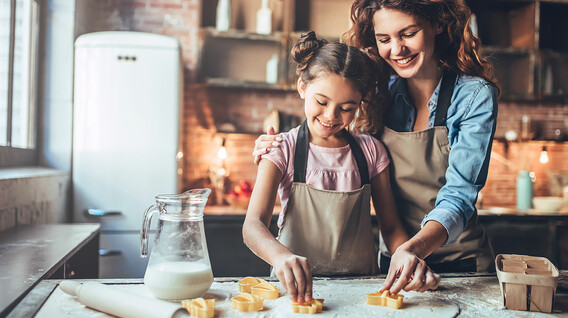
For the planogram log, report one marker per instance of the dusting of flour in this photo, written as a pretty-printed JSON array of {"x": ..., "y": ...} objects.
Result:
[{"x": 457, "y": 297}]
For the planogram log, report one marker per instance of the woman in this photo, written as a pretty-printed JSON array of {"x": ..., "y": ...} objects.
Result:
[{"x": 439, "y": 130}]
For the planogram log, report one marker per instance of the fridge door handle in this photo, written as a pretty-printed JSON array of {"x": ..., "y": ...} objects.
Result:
[
  {"x": 105, "y": 253},
  {"x": 101, "y": 212}
]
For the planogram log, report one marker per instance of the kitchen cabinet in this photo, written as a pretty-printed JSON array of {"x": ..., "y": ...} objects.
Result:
[
  {"x": 238, "y": 57},
  {"x": 526, "y": 43},
  {"x": 228, "y": 253}
]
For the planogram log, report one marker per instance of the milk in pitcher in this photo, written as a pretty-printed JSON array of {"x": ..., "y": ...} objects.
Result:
[{"x": 178, "y": 280}]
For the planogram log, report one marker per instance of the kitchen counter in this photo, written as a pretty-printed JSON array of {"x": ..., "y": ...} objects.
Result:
[
  {"x": 31, "y": 253},
  {"x": 462, "y": 295}
]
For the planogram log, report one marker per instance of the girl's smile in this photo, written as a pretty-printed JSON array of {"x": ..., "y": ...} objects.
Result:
[{"x": 330, "y": 105}]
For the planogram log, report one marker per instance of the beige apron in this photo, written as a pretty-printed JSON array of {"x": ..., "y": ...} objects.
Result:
[
  {"x": 418, "y": 166},
  {"x": 331, "y": 228}
]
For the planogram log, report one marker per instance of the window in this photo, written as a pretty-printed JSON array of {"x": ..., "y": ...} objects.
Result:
[{"x": 19, "y": 26}]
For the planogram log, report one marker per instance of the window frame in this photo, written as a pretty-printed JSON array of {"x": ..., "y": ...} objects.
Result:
[{"x": 11, "y": 156}]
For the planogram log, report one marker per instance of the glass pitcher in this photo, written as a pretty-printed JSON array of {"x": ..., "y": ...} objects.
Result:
[{"x": 179, "y": 266}]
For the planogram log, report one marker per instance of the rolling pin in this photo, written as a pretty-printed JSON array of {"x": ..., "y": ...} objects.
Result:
[{"x": 121, "y": 303}]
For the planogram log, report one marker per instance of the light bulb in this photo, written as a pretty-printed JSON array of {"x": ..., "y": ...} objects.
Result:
[
  {"x": 222, "y": 153},
  {"x": 543, "y": 155}
]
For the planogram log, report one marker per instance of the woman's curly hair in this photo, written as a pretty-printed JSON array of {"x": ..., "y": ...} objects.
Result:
[
  {"x": 456, "y": 47},
  {"x": 315, "y": 57}
]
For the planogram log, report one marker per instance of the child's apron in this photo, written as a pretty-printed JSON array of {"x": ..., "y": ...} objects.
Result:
[
  {"x": 330, "y": 228},
  {"x": 419, "y": 161}
]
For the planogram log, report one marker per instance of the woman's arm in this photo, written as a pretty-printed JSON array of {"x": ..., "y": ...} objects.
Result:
[
  {"x": 406, "y": 264},
  {"x": 471, "y": 137},
  {"x": 293, "y": 271}
]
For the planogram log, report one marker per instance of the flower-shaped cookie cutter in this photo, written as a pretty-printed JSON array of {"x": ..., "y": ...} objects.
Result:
[
  {"x": 385, "y": 299},
  {"x": 258, "y": 287},
  {"x": 309, "y": 307},
  {"x": 265, "y": 290},
  {"x": 199, "y": 307},
  {"x": 246, "y": 302},
  {"x": 246, "y": 283}
]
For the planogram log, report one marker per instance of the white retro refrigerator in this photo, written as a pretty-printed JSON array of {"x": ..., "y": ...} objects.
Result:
[{"x": 127, "y": 95}]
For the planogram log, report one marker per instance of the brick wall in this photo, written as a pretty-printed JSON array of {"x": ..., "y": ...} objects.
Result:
[{"x": 207, "y": 108}]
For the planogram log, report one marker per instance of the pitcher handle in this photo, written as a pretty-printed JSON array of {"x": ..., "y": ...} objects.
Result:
[{"x": 145, "y": 233}]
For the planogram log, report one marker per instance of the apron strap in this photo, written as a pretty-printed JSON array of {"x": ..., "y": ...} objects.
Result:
[
  {"x": 446, "y": 91},
  {"x": 301, "y": 155},
  {"x": 359, "y": 158}
]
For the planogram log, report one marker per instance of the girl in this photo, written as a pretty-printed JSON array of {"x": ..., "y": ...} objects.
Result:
[
  {"x": 325, "y": 177},
  {"x": 440, "y": 126}
]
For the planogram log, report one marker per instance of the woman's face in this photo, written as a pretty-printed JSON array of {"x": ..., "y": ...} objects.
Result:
[
  {"x": 330, "y": 105},
  {"x": 406, "y": 43}
]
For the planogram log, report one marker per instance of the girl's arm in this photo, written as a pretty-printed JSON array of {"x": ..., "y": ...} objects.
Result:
[
  {"x": 293, "y": 271},
  {"x": 387, "y": 217},
  {"x": 406, "y": 264}
]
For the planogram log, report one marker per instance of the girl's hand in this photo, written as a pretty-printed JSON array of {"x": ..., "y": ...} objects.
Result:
[
  {"x": 412, "y": 272},
  {"x": 264, "y": 142},
  {"x": 295, "y": 274}
]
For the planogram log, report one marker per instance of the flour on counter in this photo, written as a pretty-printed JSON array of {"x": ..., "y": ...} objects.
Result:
[{"x": 457, "y": 297}]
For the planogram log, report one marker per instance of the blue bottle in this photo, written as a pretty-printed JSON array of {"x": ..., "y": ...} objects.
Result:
[{"x": 524, "y": 191}]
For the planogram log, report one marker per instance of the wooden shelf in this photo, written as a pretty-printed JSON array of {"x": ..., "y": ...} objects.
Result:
[
  {"x": 244, "y": 35},
  {"x": 526, "y": 42},
  {"x": 235, "y": 83}
]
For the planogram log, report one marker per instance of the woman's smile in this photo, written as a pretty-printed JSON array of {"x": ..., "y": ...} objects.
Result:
[{"x": 405, "y": 61}]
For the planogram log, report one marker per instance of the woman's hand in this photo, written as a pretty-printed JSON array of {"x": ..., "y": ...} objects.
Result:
[
  {"x": 412, "y": 272},
  {"x": 295, "y": 274},
  {"x": 264, "y": 142}
]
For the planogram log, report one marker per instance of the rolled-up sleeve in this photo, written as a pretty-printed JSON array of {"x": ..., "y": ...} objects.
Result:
[{"x": 471, "y": 139}]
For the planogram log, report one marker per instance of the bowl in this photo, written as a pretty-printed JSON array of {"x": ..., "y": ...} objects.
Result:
[{"x": 548, "y": 204}]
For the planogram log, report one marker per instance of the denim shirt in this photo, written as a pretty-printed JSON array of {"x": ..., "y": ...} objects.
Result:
[{"x": 471, "y": 121}]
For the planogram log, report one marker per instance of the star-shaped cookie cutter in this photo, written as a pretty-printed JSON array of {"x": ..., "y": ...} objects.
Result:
[
  {"x": 385, "y": 299},
  {"x": 310, "y": 307}
]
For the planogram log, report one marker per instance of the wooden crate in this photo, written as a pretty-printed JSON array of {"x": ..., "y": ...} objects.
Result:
[{"x": 527, "y": 282}]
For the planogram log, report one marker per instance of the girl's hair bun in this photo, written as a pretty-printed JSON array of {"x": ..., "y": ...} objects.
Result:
[{"x": 305, "y": 49}]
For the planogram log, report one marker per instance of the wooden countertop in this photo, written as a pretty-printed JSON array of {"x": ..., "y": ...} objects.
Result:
[
  {"x": 464, "y": 295},
  {"x": 34, "y": 252}
]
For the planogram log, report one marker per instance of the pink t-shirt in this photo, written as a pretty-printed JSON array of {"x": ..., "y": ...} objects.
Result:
[{"x": 328, "y": 168}]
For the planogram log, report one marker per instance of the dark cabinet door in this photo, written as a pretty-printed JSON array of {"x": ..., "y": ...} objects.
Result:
[{"x": 229, "y": 255}]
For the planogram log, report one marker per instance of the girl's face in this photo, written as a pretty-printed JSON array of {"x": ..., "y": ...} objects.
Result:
[
  {"x": 406, "y": 43},
  {"x": 330, "y": 105}
]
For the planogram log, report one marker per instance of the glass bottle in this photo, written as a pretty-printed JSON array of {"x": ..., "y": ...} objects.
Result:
[{"x": 524, "y": 191}]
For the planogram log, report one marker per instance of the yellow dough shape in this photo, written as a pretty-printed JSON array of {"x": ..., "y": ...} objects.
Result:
[
  {"x": 199, "y": 307},
  {"x": 385, "y": 299},
  {"x": 246, "y": 283},
  {"x": 246, "y": 302},
  {"x": 265, "y": 290},
  {"x": 309, "y": 307}
]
